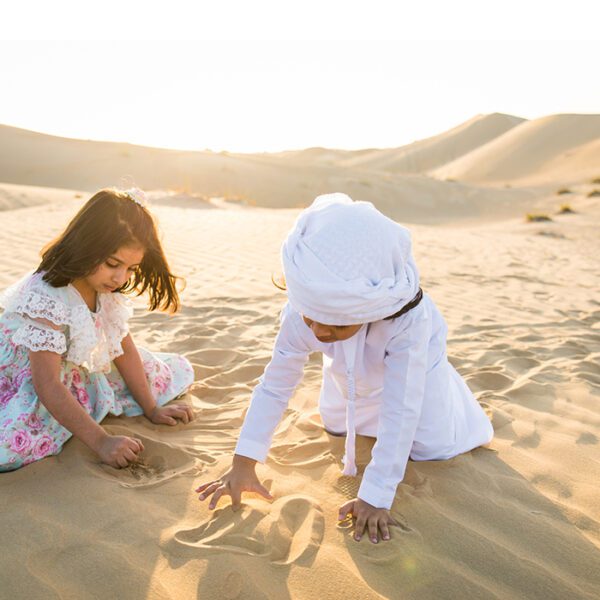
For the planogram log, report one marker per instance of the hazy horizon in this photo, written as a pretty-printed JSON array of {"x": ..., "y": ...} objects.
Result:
[
  {"x": 116, "y": 141},
  {"x": 269, "y": 95}
]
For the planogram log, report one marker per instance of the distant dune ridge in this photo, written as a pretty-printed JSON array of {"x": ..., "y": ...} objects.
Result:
[
  {"x": 518, "y": 520},
  {"x": 484, "y": 158},
  {"x": 555, "y": 148},
  {"x": 424, "y": 155},
  {"x": 415, "y": 158}
]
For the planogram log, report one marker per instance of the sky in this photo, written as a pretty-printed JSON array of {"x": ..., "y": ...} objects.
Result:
[{"x": 268, "y": 76}]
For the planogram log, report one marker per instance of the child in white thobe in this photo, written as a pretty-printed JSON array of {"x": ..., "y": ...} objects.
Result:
[
  {"x": 408, "y": 395},
  {"x": 354, "y": 295}
]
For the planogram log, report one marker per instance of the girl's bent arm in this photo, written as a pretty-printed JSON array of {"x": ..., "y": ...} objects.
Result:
[
  {"x": 131, "y": 369},
  {"x": 62, "y": 405}
]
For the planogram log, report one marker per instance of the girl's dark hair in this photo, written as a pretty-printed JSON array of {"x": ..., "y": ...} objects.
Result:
[{"x": 109, "y": 220}]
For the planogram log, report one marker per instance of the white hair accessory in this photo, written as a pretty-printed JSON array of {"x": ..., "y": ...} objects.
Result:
[{"x": 137, "y": 196}]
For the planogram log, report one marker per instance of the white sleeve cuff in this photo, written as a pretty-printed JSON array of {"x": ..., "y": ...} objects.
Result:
[
  {"x": 251, "y": 449},
  {"x": 375, "y": 495}
]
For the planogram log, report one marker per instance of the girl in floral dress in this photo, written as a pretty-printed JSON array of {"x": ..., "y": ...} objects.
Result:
[{"x": 67, "y": 358}]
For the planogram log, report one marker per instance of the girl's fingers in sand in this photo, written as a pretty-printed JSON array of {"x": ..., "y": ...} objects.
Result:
[
  {"x": 168, "y": 415},
  {"x": 132, "y": 446},
  {"x": 181, "y": 415},
  {"x": 180, "y": 412},
  {"x": 163, "y": 417},
  {"x": 385, "y": 532},
  {"x": 187, "y": 414},
  {"x": 139, "y": 447},
  {"x": 122, "y": 462},
  {"x": 130, "y": 455},
  {"x": 118, "y": 450}
]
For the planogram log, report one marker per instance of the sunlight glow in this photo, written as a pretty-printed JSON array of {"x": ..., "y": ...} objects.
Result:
[{"x": 257, "y": 95}]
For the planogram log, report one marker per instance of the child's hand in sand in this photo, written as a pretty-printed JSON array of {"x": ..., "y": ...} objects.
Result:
[
  {"x": 367, "y": 516},
  {"x": 240, "y": 478},
  {"x": 119, "y": 450},
  {"x": 168, "y": 415}
]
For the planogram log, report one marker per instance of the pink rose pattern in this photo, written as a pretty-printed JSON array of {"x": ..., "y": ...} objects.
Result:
[
  {"x": 10, "y": 382},
  {"x": 20, "y": 441},
  {"x": 27, "y": 430},
  {"x": 44, "y": 446}
]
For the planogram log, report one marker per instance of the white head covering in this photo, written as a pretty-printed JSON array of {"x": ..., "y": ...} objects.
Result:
[{"x": 346, "y": 263}]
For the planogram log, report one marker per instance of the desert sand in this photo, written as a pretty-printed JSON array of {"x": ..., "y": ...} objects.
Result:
[{"x": 518, "y": 520}]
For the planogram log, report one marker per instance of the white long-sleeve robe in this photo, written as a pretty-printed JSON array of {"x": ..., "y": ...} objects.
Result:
[{"x": 408, "y": 395}]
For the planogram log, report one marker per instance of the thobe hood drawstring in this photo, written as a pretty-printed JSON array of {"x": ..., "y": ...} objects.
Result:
[{"x": 349, "y": 349}]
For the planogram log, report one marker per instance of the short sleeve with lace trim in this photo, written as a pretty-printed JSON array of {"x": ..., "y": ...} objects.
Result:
[
  {"x": 40, "y": 314},
  {"x": 70, "y": 329}
]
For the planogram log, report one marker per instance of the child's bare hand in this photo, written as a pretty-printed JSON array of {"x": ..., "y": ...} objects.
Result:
[
  {"x": 168, "y": 415},
  {"x": 119, "y": 450},
  {"x": 240, "y": 478},
  {"x": 375, "y": 520}
]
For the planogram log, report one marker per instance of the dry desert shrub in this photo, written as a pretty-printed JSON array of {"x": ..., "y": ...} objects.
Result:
[
  {"x": 536, "y": 218},
  {"x": 565, "y": 209}
]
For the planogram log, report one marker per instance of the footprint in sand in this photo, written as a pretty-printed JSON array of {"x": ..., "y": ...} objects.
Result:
[
  {"x": 285, "y": 532},
  {"x": 215, "y": 357},
  {"x": 488, "y": 380},
  {"x": 158, "y": 463},
  {"x": 520, "y": 365},
  {"x": 537, "y": 396}
]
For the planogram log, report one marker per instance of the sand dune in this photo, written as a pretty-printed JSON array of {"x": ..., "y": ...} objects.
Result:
[
  {"x": 558, "y": 148},
  {"x": 520, "y": 520},
  {"x": 425, "y": 155},
  {"x": 418, "y": 157},
  {"x": 285, "y": 180}
]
